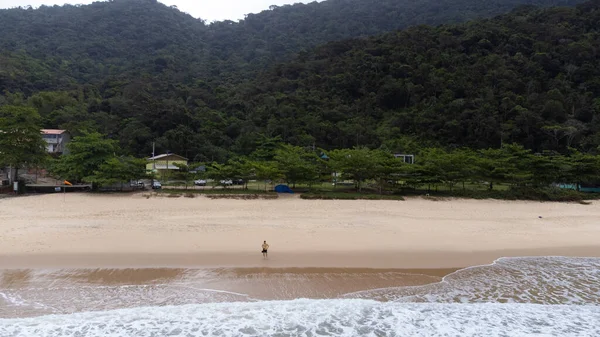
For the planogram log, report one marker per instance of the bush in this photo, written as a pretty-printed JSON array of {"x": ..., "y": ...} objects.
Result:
[
  {"x": 242, "y": 196},
  {"x": 514, "y": 193},
  {"x": 348, "y": 196}
]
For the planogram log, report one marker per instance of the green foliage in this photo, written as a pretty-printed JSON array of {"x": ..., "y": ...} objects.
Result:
[
  {"x": 502, "y": 165},
  {"x": 361, "y": 164},
  {"x": 142, "y": 72},
  {"x": 21, "y": 142},
  {"x": 184, "y": 173},
  {"x": 584, "y": 168},
  {"x": 520, "y": 193},
  {"x": 115, "y": 170},
  {"x": 297, "y": 165},
  {"x": 86, "y": 154},
  {"x": 267, "y": 171},
  {"x": 348, "y": 196},
  {"x": 480, "y": 85}
]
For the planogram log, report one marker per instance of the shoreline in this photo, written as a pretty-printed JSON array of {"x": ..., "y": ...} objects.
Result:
[
  {"x": 397, "y": 261},
  {"x": 35, "y": 292}
]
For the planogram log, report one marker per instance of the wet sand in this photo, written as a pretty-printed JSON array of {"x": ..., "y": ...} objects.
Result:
[
  {"x": 28, "y": 292},
  {"x": 395, "y": 259}
]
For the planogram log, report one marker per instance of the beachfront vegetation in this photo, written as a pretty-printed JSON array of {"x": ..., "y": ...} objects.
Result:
[
  {"x": 511, "y": 172},
  {"x": 118, "y": 171},
  {"x": 92, "y": 158},
  {"x": 21, "y": 143},
  {"x": 86, "y": 154}
]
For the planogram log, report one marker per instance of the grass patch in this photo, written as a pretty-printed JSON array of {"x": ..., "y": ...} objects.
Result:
[
  {"x": 515, "y": 193},
  {"x": 348, "y": 196},
  {"x": 504, "y": 193},
  {"x": 242, "y": 196},
  {"x": 212, "y": 191}
]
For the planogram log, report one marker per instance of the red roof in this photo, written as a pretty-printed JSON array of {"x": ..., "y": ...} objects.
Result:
[{"x": 53, "y": 131}]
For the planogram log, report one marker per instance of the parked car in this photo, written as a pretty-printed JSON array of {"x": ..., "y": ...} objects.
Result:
[
  {"x": 226, "y": 182},
  {"x": 156, "y": 185},
  {"x": 136, "y": 183},
  {"x": 238, "y": 181},
  {"x": 200, "y": 182}
]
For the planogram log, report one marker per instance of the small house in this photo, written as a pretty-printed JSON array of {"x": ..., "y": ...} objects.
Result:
[
  {"x": 406, "y": 158},
  {"x": 56, "y": 141},
  {"x": 163, "y": 165}
]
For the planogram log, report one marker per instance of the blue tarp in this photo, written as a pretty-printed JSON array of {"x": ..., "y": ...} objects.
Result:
[{"x": 283, "y": 189}]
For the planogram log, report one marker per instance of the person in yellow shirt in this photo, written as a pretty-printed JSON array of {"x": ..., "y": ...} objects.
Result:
[{"x": 265, "y": 247}]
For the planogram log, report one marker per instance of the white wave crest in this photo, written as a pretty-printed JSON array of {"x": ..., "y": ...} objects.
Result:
[
  {"x": 542, "y": 280},
  {"x": 339, "y": 317}
]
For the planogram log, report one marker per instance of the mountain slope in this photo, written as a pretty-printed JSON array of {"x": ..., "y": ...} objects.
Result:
[
  {"x": 530, "y": 77},
  {"x": 140, "y": 71},
  {"x": 85, "y": 44}
]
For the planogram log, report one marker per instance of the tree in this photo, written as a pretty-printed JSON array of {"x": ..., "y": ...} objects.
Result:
[
  {"x": 296, "y": 164},
  {"x": 183, "y": 173},
  {"x": 118, "y": 170},
  {"x": 86, "y": 154},
  {"x": 548, "y": 168},
  {"x": 220, "y": 173},
  {"x": 267, "y": 171},
  {"x": 428, "y": 170},
  {"x": 517, "y": 165},
  {"x": 358, "y": 164},
  {"x": 493, "y": 166},
  {"x": 387, "y": 168},
  {"x": 21, "y": 142},
  {"x": 460, "y": 167},
  {"x": 266, "y": 147},
  {"x": 585, "y": 168}
]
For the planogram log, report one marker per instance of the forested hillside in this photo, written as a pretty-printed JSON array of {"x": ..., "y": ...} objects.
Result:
[
  {"x": 61, "y": 46},
  {"x": 140, "y": 71},
  {"x": 530, "y": 77}
]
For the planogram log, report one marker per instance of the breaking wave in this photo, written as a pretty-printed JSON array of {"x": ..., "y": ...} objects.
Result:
[{"x": 338, "y": 317}]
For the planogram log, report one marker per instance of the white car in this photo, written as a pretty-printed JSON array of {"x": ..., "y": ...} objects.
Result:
[
  {"x": 227, "y": 182},
  {"x": 156, "y": 185},
  {"x": 200, "y": 182},
  {"x": 136, "y": 183}
]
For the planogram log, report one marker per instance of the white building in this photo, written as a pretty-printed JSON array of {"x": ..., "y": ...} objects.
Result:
[
  {"x": 56, "y": 140},
  {"x": 407, "y": 158}
]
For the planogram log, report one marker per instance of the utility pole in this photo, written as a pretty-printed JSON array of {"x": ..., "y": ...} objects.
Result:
[
  {"x": 153, "y": 167},
  {"x": 153, "y": 160}
]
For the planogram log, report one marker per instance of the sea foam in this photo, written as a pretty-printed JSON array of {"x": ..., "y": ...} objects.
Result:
[
  {"x": 337, "y": 317},
  {"x": 540, "y": 280}
]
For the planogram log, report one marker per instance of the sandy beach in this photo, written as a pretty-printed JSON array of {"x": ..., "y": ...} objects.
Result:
[
  {"x": 105, "y": 231},
  {"x": 127, "y": 265}
]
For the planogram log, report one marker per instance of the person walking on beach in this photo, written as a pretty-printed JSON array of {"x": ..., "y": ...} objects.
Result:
[{"x": 265, "y": 247}]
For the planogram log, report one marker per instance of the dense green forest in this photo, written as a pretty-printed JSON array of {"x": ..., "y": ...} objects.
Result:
[
  {"x": 140, "y": 72},
  {"x": 93, "y": 43},
  {"x": 531, "y": 77}
]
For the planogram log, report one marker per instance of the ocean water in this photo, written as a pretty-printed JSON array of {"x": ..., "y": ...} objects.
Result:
[
  {"x": 540, "y": 280},
  {"x": 337, "y": 317},
  {"x": 530, "y": 296}
]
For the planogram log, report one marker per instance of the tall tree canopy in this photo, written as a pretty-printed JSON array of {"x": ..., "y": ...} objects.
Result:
[
  {"x": 141, "y": 72},
  {"x": 528, "y": 77},
  {"x": 21, "y": 142}
]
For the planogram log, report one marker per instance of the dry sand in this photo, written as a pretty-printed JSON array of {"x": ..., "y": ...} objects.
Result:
[{"x": 87, "y": 230}]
